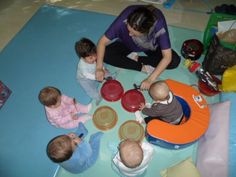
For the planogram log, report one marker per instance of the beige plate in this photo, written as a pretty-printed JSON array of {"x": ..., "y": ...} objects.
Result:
[
  {"x": 105, "y": 118},
  {"x": 131, "y": 129}
]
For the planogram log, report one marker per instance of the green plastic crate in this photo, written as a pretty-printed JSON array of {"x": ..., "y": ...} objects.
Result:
[{"x": 212, "y": 28}]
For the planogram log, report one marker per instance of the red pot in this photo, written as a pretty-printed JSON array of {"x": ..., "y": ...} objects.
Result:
[
  {"x": 131, "y": 100},
  {"x": 112, "y": 90}
]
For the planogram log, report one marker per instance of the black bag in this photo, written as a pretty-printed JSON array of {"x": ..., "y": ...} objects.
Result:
[{"x": 218, "y": 58}]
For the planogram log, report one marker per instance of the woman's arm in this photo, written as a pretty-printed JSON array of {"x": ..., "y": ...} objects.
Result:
[
  {"x": 100, "y": 57},
  {"x": 165, "y": 61}
]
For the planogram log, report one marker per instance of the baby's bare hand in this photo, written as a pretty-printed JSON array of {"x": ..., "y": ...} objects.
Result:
[
  {"x": 74, "y": 116},
  {"x": 145, "y": 85},
  {"x": 141, "y": 106},
  {"x": 74, "y": 138}
]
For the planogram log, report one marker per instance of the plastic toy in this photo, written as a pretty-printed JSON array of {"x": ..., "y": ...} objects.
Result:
[
  {"x": 197, "y": 117},
  {"x": 192, "y": 49},
  {"x": 208, "y": 84}
]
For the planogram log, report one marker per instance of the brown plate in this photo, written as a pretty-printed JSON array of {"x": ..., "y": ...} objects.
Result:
[
  {"x": 105, "y": 118},
  {"x": 131, "y": 129}
]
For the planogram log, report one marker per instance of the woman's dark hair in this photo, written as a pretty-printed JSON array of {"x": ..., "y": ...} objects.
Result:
[
  {"x": 85, "y": 47},
  {"x": 142, "y": 19}
]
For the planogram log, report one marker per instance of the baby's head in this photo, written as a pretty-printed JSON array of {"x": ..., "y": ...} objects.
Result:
[
  {"x": 159, "y": 91},
  {"x": 86, "y": 49},
  {"x": 50, "y": 97},
  {"x": 131, "y": 153},
  {"x": 60, "y": 148}
]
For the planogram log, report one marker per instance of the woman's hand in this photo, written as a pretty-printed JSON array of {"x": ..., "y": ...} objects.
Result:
[
  {"x": 167, "y": 55},
  {"x": 100, "y": 74},
  {"x": 145, "y": 85}
]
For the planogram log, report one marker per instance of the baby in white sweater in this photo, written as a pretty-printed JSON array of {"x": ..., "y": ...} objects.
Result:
[{"x": 133, "y": 157}]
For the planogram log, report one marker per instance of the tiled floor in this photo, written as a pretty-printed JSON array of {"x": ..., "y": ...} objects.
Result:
[{"x": 184, "y": 13}]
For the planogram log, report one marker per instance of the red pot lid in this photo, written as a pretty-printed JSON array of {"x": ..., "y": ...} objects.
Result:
[
  {"x": 131, "y": 100},
  {"x": 112, "y": 90}
]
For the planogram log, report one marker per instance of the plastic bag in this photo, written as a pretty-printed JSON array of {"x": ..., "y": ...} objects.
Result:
[
  {"x": 228, "y": 36},
  {"x": 218, "y": 57}
]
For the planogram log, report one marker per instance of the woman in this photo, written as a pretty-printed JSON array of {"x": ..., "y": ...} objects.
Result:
[{"x": 138, "y": 28}]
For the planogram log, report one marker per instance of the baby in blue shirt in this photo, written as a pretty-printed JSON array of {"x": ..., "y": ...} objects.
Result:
[{"x": 73, "y": 153}]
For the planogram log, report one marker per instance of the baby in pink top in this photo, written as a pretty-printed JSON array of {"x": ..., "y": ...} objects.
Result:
[{"x": 63, "y": 111}]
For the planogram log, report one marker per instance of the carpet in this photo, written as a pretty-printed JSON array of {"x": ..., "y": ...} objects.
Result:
[{"x": 42, "y": 54}]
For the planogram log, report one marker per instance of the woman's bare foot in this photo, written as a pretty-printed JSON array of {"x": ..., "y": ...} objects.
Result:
[
  {"x": 147, "y": 69},
  {"x": 133, "y": 56}
]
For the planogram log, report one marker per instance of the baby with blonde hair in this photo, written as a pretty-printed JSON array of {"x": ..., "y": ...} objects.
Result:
[
  {"x": 63, "y": 111},
  {"x": 131, "y": 153},
  {"x": 165, "y": 105},
  {"x": 159, "y": 91},
  {"x": 133, "y": 157}
]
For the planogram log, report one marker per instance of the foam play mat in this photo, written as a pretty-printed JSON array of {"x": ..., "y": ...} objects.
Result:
[{"x": 42, "y": 54}]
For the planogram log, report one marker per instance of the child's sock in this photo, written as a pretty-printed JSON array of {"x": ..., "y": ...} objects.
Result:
[
  {"x": 89, "y": 107},
  {"x": 133, "y": 56},
  {"x": 149, "y": 69},
  {"x": 81, "y": 108},
  {"x": 139, "y": 117},
  {"x": 84, "y": 118}
]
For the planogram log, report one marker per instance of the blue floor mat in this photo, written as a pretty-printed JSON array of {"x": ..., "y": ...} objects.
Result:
[{"x": 42, "y": 54}]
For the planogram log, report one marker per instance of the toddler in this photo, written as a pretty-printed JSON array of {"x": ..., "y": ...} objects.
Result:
[
  {"x": 72, "y": 153},
  {"x": 133, "y": 158},
  {"x": 165, "y": 106},
  {"x": 61, "y": 110},
  {"x": 86, "y": 51}
]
